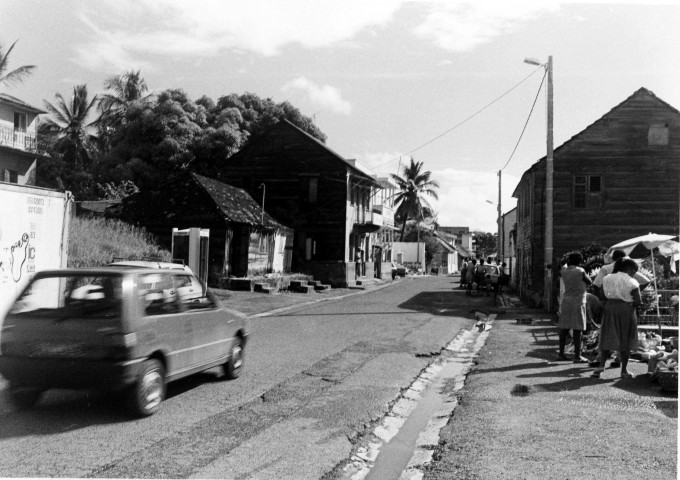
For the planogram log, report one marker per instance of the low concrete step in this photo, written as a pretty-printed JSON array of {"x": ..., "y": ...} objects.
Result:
[
  {"x": 297, "y": 283},
  {"x": 242, "y": 284},
  {"x": 315, "y": 283},
  {"x": 322, "y": 288},
  {"x": 304, "y": 289},
  {"x": 263, "y": 288}
]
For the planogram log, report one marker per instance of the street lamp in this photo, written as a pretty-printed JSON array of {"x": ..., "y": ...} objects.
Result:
[{"x": 548, "y": 253}]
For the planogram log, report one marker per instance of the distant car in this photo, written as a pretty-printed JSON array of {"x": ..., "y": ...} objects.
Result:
[
  {"x": 492, "y": 273},
  {"x": 129, "y": 329},
  {"x": 150, "y": 264}
]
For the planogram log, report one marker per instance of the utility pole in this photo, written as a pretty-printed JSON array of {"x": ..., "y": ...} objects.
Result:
[
  {"x": 500, "y": 254},
  {"x": 264, "y": 189},
  {"x": 549, "y": 193}
]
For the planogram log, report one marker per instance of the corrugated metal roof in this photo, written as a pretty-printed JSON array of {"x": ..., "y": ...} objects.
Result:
[
  {"x": 235, "y": 204},
  {"x": 20, "y": 103}
]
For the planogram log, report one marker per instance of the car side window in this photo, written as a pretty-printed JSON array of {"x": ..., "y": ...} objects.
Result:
[
  {"x": 159, "y": 295},
  {"x": 191, "y": 293}
]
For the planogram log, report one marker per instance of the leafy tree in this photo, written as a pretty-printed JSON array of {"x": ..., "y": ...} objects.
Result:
[
  {"x": 123, "y": 91},
  {"x": 72, "y": 144},
  {"x": 486, "y": 244},
  {"x": 414, "y": 186},
  {"x": 69, "y": 128},
  {"x": 11, "y": 77},
  {"x": 433, "y": 248}
]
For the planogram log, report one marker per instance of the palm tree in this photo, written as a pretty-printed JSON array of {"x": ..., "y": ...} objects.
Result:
[
  {"x": 12, "y": 76},
  {"x": 126, "y": 90},
  {"x": 68, "y": 126},
  {"x": 414, "y": 186}
]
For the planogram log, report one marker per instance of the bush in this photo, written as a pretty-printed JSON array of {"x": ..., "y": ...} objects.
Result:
[{"x": 93, "y": 242}]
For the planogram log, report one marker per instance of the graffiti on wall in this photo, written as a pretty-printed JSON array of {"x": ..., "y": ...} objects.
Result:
[{"x": 14, "y": 256}]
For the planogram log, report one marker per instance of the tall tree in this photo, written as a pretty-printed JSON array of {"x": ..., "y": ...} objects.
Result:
[
  {"x": 414, "y": 187},
  {"x": 69, "y": 127},
  {"x": 11, "y": 77},
  {"x": 123, "y": 92}
]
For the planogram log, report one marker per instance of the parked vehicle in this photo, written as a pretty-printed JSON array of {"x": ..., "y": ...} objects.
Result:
[
  {"x": 128, "y": 329},
  {"x": 492, "y": 273}
]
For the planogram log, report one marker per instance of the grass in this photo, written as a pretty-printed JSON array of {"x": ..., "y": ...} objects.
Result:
[{"x": 94, "y": 242}]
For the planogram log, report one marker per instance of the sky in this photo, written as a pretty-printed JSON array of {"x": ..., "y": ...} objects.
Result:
[{"x": 441, "y": 81}]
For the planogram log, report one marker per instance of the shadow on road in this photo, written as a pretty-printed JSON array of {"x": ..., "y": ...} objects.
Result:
[
  {"x": 449, "y": 303},
  {"x": 64, "y": 410}
]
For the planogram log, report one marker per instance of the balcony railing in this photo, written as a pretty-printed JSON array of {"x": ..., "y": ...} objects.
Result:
[
  {"x": 387, "y": 214},
  {"x": 21, "y": 140}
]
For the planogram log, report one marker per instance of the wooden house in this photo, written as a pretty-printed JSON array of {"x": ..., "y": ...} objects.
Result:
[
  {"x": 20, "y": 144},
  {"x": 244, "y": 240},
  {"x": 617, "y": 179},
  {"x": 328, "y": 200}
]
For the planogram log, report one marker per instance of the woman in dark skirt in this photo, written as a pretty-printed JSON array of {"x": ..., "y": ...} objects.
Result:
[{"x": 619, "y": 322}]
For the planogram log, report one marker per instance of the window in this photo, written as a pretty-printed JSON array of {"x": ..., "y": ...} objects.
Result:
[
  {"x": 19, "y": 122},
  {"x": 11, "y": 176},
  {"x": 309, "y": 189},
  {"x": 160, "y": 296},
  {"x": 658, "y": 134},
  {"x": 263, "y": 244},
  {"x": 588, "y": 191}
]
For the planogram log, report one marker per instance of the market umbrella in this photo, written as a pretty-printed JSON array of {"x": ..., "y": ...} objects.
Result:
[{"x": 667, "y": 245}]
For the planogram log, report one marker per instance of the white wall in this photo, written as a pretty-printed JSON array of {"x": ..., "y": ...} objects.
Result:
[
  {"x": 33, "y": 236},
  {"x": 409, "y": 251}
]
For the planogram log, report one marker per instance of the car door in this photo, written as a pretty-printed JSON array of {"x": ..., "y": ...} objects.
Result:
[
  {"x": 165, "y": 323},
  {"x": 208, "y": 323}
]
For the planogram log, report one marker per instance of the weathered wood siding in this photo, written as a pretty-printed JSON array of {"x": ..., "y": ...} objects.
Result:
[
  {"x": 282, "y": 161},
  {"x": 639, "y": 192},
  {"x": 640, "y": 182}
]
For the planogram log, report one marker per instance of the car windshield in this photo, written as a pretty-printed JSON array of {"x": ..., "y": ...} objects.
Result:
[{"x": 65, "y": 294}]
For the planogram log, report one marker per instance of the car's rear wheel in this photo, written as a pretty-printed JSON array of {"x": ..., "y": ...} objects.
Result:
[
  {"x": 24, "y": 397},
  {"x": 232, "y": 367},
  {"x": 148, "y": 392}
]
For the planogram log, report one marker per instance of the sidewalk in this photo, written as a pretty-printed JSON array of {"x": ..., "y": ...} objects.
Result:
[{"x": 521, "y": 415}]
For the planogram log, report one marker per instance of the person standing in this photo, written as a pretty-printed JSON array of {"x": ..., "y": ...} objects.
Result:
[
  {"x": 619, "y": 321},
  {"x": 573, "y": 308},
  {"x": 470, "y": 276},
  {"x": 463, "y": 273},
  {"x": 480, "y": 276}
]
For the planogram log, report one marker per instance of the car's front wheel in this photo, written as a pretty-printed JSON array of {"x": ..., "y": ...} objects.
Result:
[
  {"x": 24, "y": 397},
  {"x": 232, "y": 367},
  {"x": 148, "y": 392}
]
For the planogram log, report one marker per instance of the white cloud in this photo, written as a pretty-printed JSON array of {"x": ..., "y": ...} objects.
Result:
[
  {"x": 463, "y": 198},
  {"x": 207, "y": 27},
  {"x": 325, "y": 97},
  {"x": 381, "y": 163},
  {"x": 461, "y": 26},
  {"x": 124, "y": 30}
]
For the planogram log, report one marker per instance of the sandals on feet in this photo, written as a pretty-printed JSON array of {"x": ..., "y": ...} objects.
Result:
[
  {"x": 596, "y": 374},
  {"x": 626, "y": 375}
]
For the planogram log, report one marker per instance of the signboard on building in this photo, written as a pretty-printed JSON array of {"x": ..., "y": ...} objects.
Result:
[{"x": 33, "y": 236}]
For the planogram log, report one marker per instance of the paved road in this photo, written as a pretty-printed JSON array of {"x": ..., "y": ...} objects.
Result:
[{"x": 315, "y": 379}]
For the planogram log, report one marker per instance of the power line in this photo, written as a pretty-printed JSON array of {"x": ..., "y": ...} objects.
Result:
[
  {"x": 462, "y": 122},
  {"x": 527, "y": 122}
]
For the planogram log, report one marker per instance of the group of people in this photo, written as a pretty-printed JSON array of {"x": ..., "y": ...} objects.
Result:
[
  {"x": 614, "y": 298},
  {"x": 478, "y": 273}
]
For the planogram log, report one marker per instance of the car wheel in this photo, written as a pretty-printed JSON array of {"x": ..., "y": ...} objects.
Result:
[
  {"x": 148, "y": 392},
  {"x": 24, "y": 397},
  {"x": 232, "y": 367}
]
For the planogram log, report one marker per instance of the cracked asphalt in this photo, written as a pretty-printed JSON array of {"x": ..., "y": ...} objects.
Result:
[{"x": 316, "y": 379}]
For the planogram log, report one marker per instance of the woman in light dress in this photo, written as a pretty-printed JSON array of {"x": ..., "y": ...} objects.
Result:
[{"x": 573, "y": 307}]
